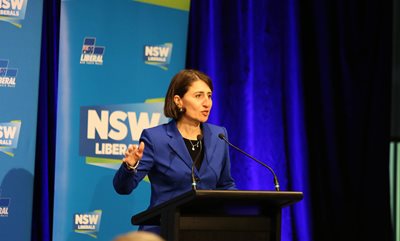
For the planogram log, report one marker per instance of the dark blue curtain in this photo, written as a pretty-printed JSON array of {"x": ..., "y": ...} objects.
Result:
[
  {"x": 42, "y": 217},
  {"x": 251, "y": 51},
  {"x": 304, "y": 86}
]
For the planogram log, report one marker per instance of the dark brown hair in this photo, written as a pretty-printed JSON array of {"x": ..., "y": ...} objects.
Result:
[{"x": 179, "y": 85}]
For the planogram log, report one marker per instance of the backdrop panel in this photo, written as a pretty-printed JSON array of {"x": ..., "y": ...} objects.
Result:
[
  {"x": 116, "y": 61},
  {"x": 19, "y": 79}
]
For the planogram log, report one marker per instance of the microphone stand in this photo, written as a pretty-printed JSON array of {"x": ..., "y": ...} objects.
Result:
[
  {"x": 194, "y": 183},
  {"x": 276, "y": 183}
]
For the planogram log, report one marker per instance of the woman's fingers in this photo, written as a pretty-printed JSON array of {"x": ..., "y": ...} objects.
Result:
[{"x": 134, "y": 153}]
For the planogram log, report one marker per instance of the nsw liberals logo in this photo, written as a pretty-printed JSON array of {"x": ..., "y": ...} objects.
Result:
[
  {"x": 4, "y": 204},
  {"x": 92, "y": 54},
  {"x": 88, "y": 223},
  {"x": 158, "y": 55},
  {"x": 9, "y": 134},
  {"x": 13, "y": 11},
  {"x": 106, "y": 131},
  {"x": 8, "y": 76}
]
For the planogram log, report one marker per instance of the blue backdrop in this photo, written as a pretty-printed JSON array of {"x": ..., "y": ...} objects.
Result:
[
  {"x": 113, "y": 70},
  {"x": 19, "y": 84}
]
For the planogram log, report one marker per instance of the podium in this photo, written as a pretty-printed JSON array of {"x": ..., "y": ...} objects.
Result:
[{"x": 220, "y": 215}]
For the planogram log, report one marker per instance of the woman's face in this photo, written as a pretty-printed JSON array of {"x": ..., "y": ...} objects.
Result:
[{"x": 197, "y": 101}]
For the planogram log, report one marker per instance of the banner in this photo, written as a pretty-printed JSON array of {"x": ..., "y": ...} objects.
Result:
[
  {"x": 19, "y": 83},
  {"x": 116, "y": 61}
]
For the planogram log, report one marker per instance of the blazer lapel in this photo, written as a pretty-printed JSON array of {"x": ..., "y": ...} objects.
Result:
[
  {"x": 209, "y": 141},
  {"x": 177, "y": 144}
]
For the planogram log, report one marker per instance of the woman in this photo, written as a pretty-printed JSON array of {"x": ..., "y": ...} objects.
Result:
[{"x": 171, "y": 152}]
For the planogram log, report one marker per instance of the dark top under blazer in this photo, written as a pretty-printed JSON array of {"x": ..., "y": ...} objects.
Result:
[{"x": 167, "y": 162}]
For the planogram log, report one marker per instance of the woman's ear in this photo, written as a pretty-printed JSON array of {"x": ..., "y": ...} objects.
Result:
[{"x": 178, "y": 101}]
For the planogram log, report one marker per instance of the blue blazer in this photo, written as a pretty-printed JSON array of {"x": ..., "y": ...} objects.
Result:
[{"x": 168, "y": 164}]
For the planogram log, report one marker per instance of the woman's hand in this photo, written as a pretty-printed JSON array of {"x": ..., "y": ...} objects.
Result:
[{"x": 133, "y": 154}]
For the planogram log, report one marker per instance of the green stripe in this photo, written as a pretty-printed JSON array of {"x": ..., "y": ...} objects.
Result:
[
  {"x": 176, "y": 4},
  {"x": 102, "y": 160},
  {"x": 397, "y": 194},
  {"x": 394, "y": 177},
  {"x": 155, "y": 100}
]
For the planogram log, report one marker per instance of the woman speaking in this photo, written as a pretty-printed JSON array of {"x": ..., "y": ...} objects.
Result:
[{"x": 183, "y": 154}]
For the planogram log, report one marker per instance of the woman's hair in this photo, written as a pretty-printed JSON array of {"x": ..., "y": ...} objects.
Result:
[
  {"x": 179, "y": 85},
  {"x": 138, "y": 236}
]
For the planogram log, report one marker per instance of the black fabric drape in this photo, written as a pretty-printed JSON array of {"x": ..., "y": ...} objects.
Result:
[{"x": 346, "y": 74}]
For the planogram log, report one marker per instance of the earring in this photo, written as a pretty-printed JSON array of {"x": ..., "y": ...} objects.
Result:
[{"x": 180, "y": 109}]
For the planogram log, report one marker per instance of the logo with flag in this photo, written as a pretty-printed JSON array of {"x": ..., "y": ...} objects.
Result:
[
  {"x": 4, "y": 204},
  {"x": 13, "y": 11},
  {"x": 91, "y": 54},
  {"x": 8, "y": 76}
]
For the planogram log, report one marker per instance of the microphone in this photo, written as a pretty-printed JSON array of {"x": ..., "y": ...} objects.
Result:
[
  {"x": 222, "y": 136},
  {"x": 194, "y": 183}
]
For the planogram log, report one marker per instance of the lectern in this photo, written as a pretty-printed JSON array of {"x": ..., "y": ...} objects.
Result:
[{"x": 214, "y": 215}]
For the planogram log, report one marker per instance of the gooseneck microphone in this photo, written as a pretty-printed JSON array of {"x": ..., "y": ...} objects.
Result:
[
  {"x": 194, "y": 183},
  {"x": 222, "y": 136}
]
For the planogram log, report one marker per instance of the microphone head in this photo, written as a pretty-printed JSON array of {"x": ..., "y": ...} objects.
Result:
[
  {"x": 199, "y": 137},
  {"x": 222, "y": 136}
]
